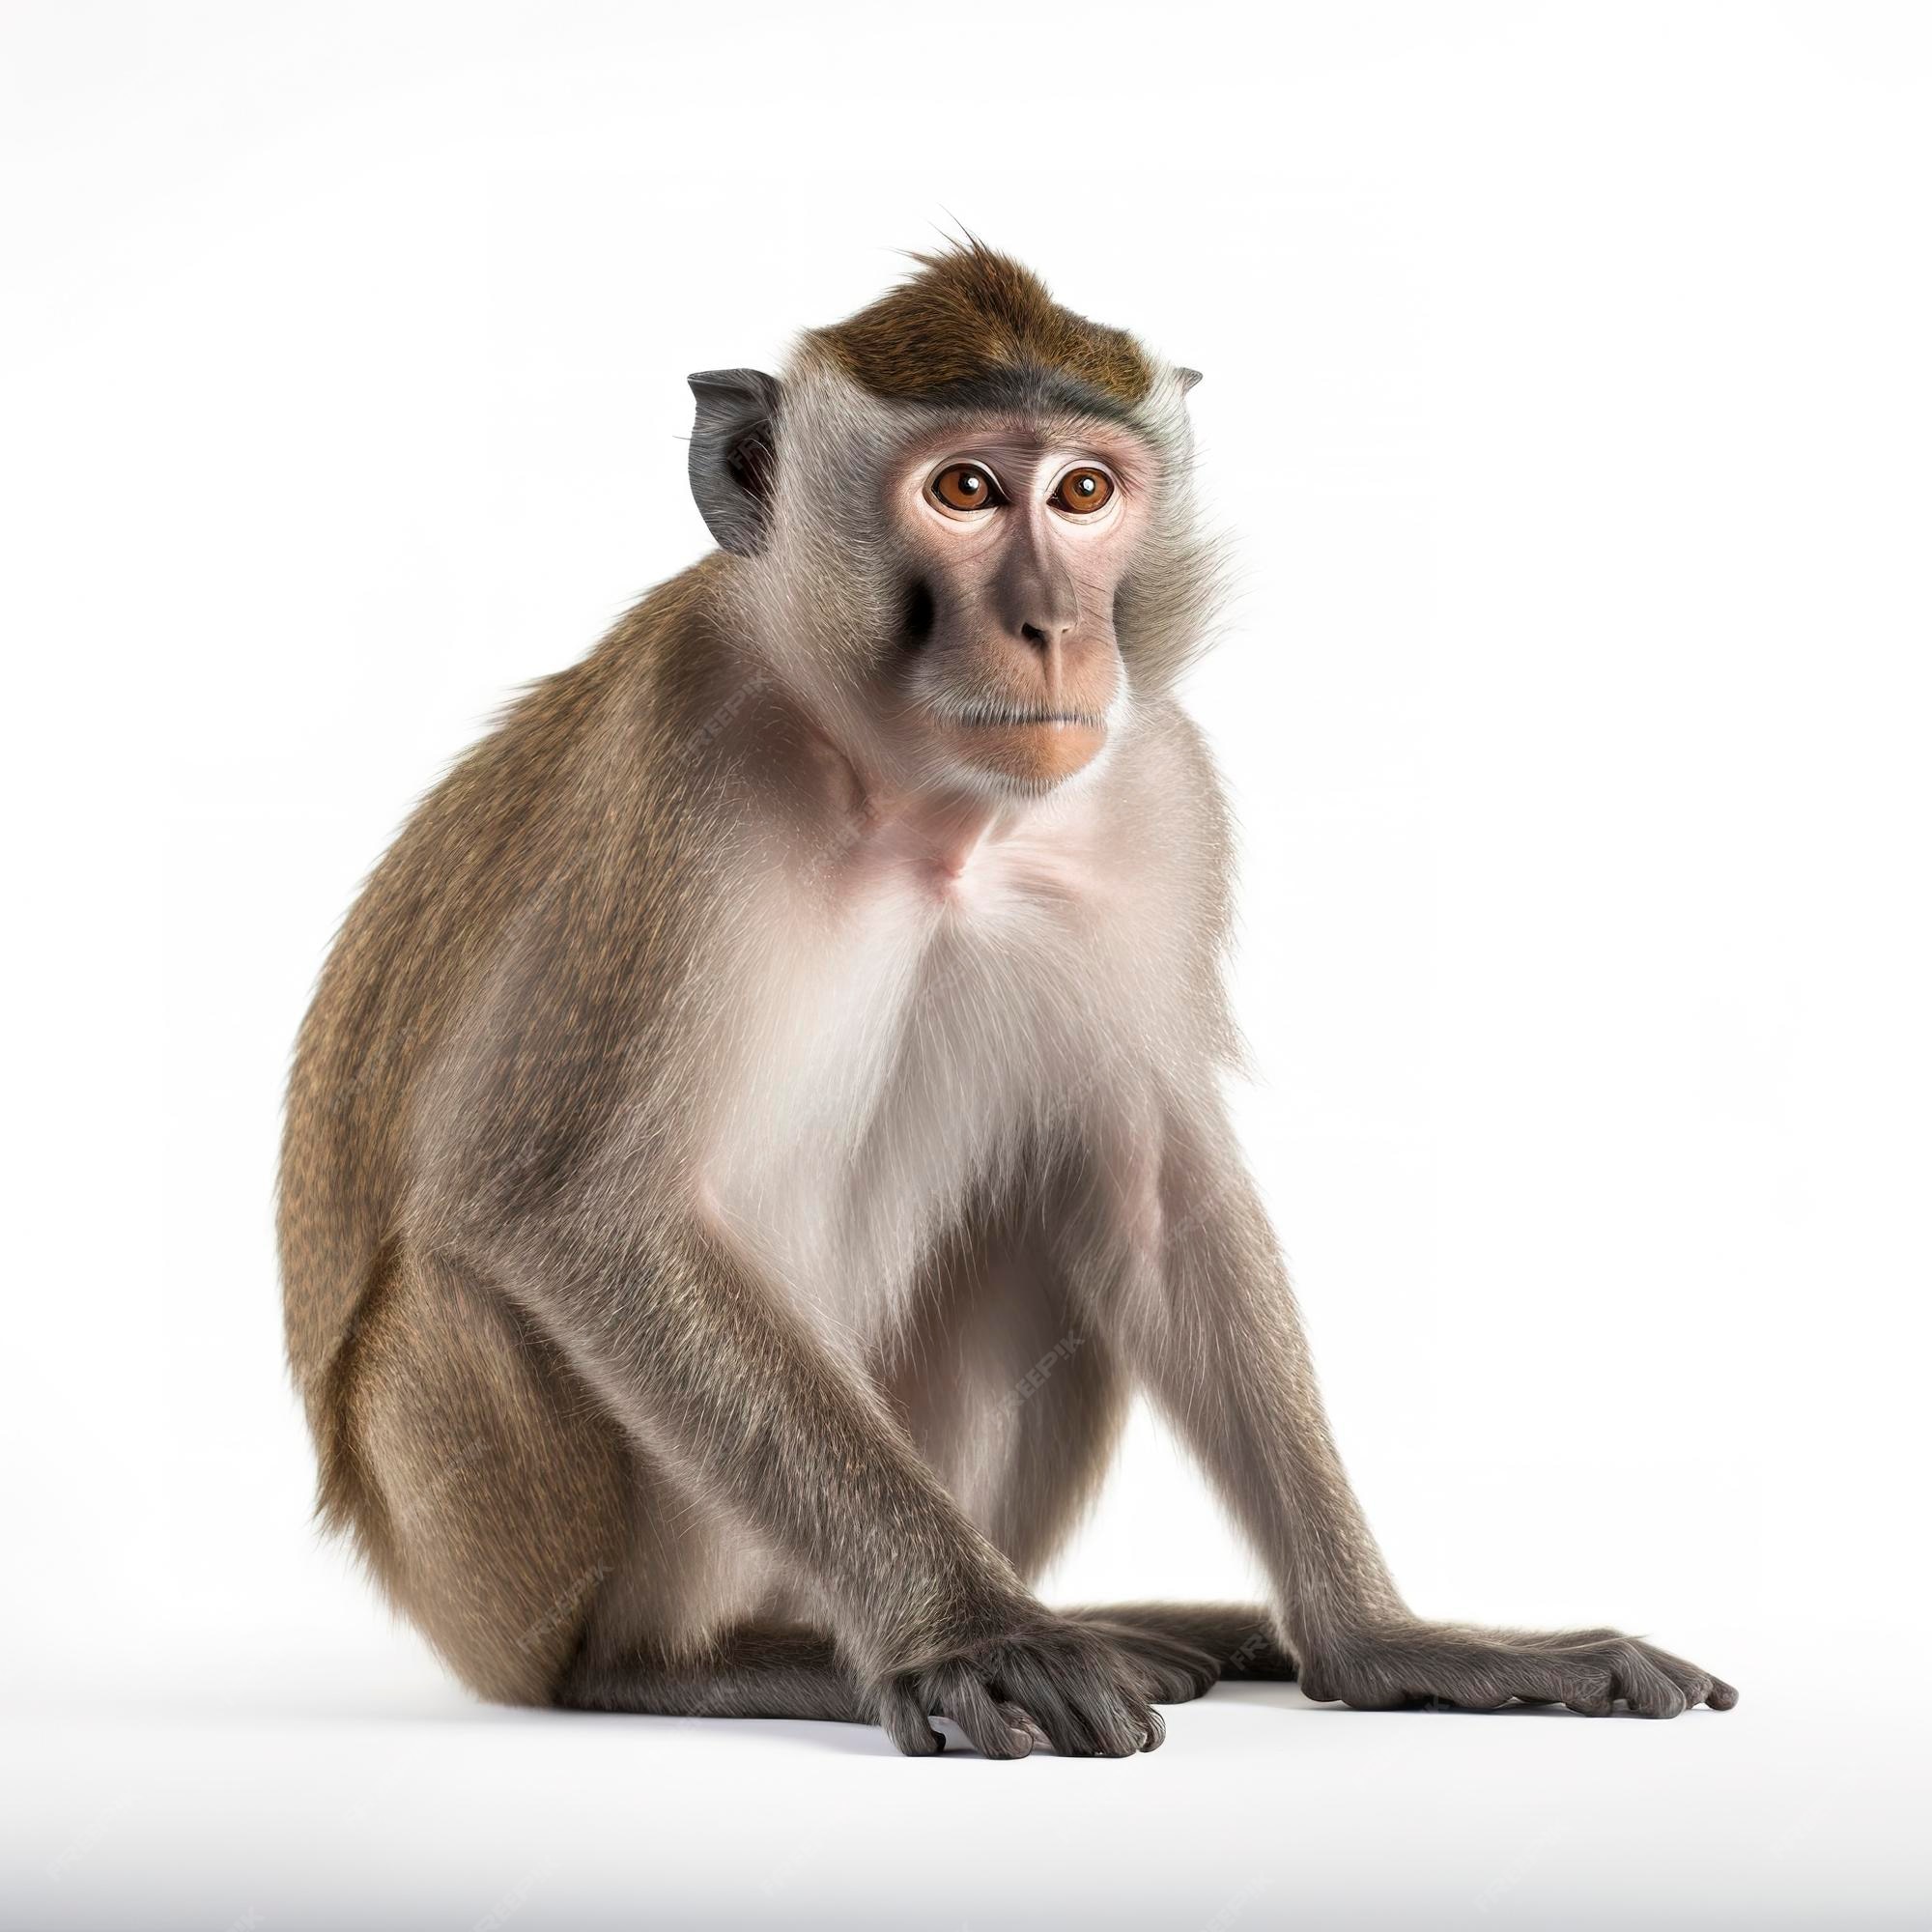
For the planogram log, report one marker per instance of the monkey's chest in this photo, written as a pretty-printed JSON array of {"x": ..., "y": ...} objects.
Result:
[{"x": 891, "y": 1064}]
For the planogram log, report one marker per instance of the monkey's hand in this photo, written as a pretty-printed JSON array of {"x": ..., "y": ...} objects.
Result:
[
  {"x": 1044, "y": 1679},
  {"x": 1401, "y": 1664}
]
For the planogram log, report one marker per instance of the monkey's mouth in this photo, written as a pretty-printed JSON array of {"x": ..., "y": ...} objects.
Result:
[
  {"x": 1031, "y": 744},
  {"x": 987, "y": 717}
]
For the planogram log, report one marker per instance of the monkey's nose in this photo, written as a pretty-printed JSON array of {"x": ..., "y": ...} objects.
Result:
[{"x": 1043, "y": 637}]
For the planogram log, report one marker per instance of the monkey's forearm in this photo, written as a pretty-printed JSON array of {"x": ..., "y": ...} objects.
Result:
[
  {"x": 708, "y": 1368},
  {"x": 1219, "y": 1345},
  {"x": 1258, "y": 1428}
]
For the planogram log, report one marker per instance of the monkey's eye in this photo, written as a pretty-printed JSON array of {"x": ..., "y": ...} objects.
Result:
[
  {"x": 1083, "y": 491},
  {"x": 964, "y": 486}
]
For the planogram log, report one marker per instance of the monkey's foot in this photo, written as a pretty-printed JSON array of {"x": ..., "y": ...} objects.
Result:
[
  {"x": 1172, "y": 1672},
  {"x": 1185, "y": 1648},
  {"x": 1401, "y": 1665},
  {"x": 1058, "y": 1681}
]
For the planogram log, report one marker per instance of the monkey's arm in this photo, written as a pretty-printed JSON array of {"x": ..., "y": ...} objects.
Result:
[
  {"x": 1212, "y": 1332},
  {"x": 1212, "y": 1327},
  {"x": 707, "y": 1367}
]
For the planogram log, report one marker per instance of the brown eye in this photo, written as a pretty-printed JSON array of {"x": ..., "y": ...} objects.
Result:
[
  {"x": 963, "y": 486},
  {"x": 1083, "y": 491}
]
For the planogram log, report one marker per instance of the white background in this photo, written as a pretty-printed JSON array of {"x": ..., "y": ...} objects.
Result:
[{"x": 1568, "y": 397}]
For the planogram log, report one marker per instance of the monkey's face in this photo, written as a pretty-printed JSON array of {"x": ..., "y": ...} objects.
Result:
[
  {"x": 1016, "y": 546},
  {"x": 961, "y": 596}
]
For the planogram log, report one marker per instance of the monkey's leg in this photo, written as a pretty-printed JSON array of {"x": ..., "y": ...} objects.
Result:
[
  {"x": 1187, "y": 1647},
  {"x": 485, "y": 1484},
  {"x": 751, "y": 1671},
  {"x": 791, "y": 1441}
]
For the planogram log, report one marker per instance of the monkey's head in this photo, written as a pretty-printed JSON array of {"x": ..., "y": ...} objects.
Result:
[{"x": 961, "y": 526}]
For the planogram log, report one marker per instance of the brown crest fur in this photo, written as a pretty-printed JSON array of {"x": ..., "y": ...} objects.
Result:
[{"x": 972, "y": 311}]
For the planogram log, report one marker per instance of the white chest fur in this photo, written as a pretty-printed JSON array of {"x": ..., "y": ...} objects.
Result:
[{"x": 905, "y": 1027}]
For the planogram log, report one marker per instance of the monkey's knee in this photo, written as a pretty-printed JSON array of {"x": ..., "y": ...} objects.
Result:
[{"x": 489, "y": 1491}]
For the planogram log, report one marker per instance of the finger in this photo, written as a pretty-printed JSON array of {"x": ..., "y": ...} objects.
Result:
[
  {"x": 1022, "y": 1720},
  {"x": 1695, "y": 1684},
  {"x": 1589, "y": 1704},
  {"x": 902, "y": 1718},
  {"x": 1699, "y": 1687},
  {"x": 1153, "y": 1728},
  {"x": 1121, "y": 1724},
  {"x": 1383, "y": 1698},
  {"x": 1478, "y": 1697},
  {"x": 1480, "y": 1681},
  {"x": 970, "y": 1705},
  {"x": 1646, "y": 1688},
  {"x": 1584, "y": 1685},
  {"x": 1039, "y": 1692},
  {"x": 1375, "y": 1684},
  {"x": 1066, "y": 1727},
  {"x": 1122, "y": 1719}
]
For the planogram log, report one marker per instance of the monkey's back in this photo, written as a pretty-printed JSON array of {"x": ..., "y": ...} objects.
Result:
[{"x": 411, "y": 961}]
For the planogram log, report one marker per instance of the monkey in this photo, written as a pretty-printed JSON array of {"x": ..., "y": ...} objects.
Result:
[{"x": 763, "y": 1119}]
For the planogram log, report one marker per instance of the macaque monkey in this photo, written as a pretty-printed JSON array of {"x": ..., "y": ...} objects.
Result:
[{"x": 762, "y": 1119}]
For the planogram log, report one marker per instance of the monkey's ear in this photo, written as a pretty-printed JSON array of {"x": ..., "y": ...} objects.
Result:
[
  {"x": 734, "y": 454},
  {"x": 1188, "y": 378}
]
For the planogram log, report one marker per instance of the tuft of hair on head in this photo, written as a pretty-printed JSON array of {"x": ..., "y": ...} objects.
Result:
[{"x": 971, "y": 311}]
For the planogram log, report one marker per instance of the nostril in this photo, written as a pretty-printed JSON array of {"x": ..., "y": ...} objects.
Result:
[{"x": 1034, "y": 636}]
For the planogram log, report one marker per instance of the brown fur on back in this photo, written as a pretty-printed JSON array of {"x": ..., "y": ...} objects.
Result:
[{"x": 511, "y": 835}]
